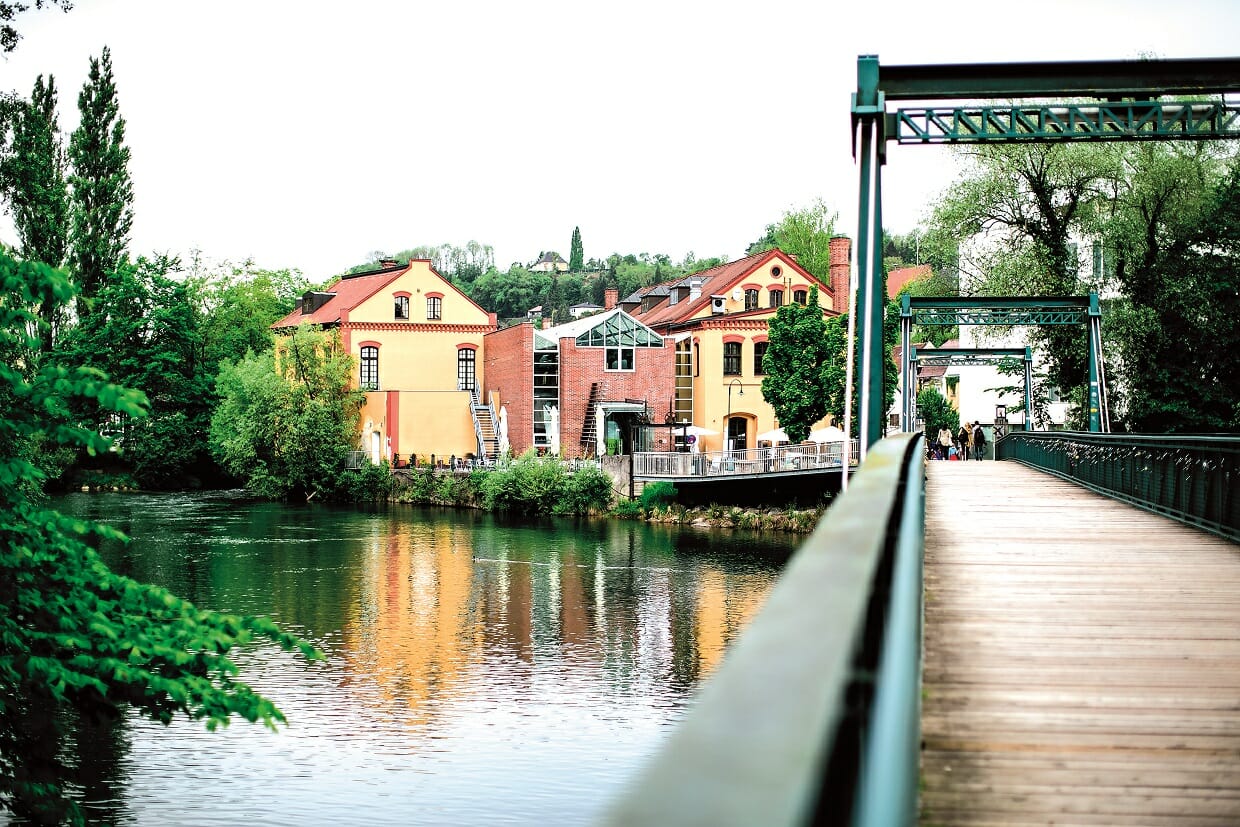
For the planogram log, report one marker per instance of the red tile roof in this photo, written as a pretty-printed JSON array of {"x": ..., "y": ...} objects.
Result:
[
  {"x": 897, "y": 278},
  {"x": 350, "y": 292},
  {"x": 716, "y": 281}
]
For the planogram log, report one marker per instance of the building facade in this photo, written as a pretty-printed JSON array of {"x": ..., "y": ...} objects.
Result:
[{"x": 417, "y": 341}]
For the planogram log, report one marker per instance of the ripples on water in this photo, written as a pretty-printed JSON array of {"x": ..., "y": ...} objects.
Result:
[{"x": 479, "y": 672}]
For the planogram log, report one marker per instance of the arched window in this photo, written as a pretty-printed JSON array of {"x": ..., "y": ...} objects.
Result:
[
  {"x": 434, "y": 308},
  {"x": 465, "y": 369},
  {"x": 777, "y": 298},
  {"x": 402, "y": 307},
  {"x": 751, "y": 299},
  {"x": 370, "y": 368},
  {"x": 800, "y": 296}
]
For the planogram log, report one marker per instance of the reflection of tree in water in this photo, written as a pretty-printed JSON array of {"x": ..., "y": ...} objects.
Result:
[{"x": 86, "y": 758}]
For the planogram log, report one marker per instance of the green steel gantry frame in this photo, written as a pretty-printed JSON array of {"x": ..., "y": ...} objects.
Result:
[
  {"x": 1007, "y": 311},
  {"x": 947, "y": 357},
  {"x": 1127, "y": 108}
]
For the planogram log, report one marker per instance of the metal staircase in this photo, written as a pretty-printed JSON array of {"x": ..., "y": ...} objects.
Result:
[
  {"x": 484, "y": 427},
  {"x": 589, "y": 439}
]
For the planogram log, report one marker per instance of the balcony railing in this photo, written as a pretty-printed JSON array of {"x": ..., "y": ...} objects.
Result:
[{"x": 783, "y": 458}]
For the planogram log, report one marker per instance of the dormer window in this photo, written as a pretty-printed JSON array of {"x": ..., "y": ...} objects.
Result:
[{"x": 402, "y": 307}]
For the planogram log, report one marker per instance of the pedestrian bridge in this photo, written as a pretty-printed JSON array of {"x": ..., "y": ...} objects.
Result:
[{"x": 986, "y": 643}]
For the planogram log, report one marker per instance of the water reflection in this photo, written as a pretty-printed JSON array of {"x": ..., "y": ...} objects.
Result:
[{"x": 479, "y": 670}]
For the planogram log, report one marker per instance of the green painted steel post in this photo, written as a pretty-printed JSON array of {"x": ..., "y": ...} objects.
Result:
[
  {"x": 865, "y": 111},
  {"x": 1095, "y": 313},
  {"x": 906, "y": 363},
  {"x": 1028, "y": 388},
  {"x": 877, "y": 414}
]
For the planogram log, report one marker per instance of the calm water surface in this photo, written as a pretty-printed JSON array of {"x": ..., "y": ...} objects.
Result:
[{"x": 479, "y": 671}]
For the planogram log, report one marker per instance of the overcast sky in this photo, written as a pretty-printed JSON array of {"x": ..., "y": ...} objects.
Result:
[{"x": 307, "y": 134}]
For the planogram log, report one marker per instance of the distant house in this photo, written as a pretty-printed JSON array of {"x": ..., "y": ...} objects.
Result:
[
  {"x": 717, "y": 321},
  {"x": 417, "y": 341},
  {"x": 534, "y": 312},
  {"x": 548, "y": 262},
  {"x": 582, "y": 387},
  {"x": 583, "y": 309}
]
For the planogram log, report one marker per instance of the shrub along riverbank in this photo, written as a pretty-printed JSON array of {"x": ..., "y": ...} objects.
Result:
[{"x": 542, "y": 486}]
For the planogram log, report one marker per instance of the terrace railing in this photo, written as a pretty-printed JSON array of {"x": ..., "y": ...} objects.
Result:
[
  {"x": 1194, "y": 479},
  {"x": 801, "y": 457}
]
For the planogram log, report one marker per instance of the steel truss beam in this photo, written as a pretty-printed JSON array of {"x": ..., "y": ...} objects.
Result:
[
  {"x": 944, "y": 357},
  {"x": 1006, "y": 310},
  {"x": 1151, "y": 120}
]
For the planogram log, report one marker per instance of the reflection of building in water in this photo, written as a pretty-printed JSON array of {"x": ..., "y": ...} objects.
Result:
[
  {"x": 411, "y": 634},
  {"x": 434, "y": 623}
]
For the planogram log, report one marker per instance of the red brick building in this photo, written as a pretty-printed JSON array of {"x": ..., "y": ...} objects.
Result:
[{"x": 580, "y": 387}]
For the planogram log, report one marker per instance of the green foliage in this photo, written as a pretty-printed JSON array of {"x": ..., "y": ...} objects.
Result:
[
  {"x": 143, "y": 332},
  {"x": 937, "y": 412},
  {"x": 369, "y": 483},
  {"x": 9, "y": 9},
  {"x": 629, "y": 510},
  {"x": 237, "y": 308},
  {"x": 576, "y": 253},
  {"x": 288, "y": 432},
  {"x": 101, "y": 204},
  {"x": 657, "y": 493},
  {"x": 805, "y": 233},
  {"x": 797, "y": 366},
  {"x": 77, "y": 636},
  {"x": 541, "y": 485}
]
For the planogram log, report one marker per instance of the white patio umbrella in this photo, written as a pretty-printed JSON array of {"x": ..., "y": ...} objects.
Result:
[
  {"x": 695, "y": 430},
  {"x": 553, "y": 428},
  {"x": 773, "y": 435},
  {"x": 503, "y": 430},
  {"x": 828, "y": 434}
]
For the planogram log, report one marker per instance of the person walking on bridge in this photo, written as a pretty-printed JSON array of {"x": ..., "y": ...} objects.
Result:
[
  {"x": 945, "y": 441},
  {"x": 979, "y": 441},
  {"x": 965, "y": 438}
]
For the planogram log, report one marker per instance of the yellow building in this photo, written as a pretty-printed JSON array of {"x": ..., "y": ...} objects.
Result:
[
  {"x": 416, "y": 340},
  {"x": 718, "y": 319}
]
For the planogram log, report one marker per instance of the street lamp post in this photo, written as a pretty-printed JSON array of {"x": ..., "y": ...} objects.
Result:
[{"x": 727, "y": 420}]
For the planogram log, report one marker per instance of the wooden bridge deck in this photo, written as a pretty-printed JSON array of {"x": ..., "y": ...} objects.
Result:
[{"x": 1082, "y": 658}]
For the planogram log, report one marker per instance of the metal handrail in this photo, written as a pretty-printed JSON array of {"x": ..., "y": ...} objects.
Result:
[
  {"x": 798, "y": 457},
  {"x": 814, "y": 715},
  {"x": 1192, "y": 478}
]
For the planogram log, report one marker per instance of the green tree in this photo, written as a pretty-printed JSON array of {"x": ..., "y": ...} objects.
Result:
[
  {"x": 101, "y": 203},
  {"x": 9, "y": 9},
  {"x": 576, "y": 253},
  {"x": 797, "y": 364},
  {"x": 287, "y": 432},
  {"x": 237, "y": 308},
  {"x": 936, "y": 412},
  {"x": 1021, "y": 206},
  {"x": 144, "y": 333},
  {"x": 75, "y": 636},
  {"x": 805, "y": 233},
  {"x": 32, "y": 177}
]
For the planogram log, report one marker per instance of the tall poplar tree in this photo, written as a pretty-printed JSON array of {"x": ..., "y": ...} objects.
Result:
[
  {"x": 32, "y": 175},
  {"x": 576, "y": 253},
  {"x": 101, "y": 205}
]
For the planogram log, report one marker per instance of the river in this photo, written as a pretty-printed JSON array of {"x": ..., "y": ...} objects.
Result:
[{"x": 478, "y": 671}]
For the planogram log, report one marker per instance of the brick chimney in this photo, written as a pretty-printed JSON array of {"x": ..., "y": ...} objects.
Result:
[
  {"x": 839, "y": 249},
  {"x": 610, "y": 297}
]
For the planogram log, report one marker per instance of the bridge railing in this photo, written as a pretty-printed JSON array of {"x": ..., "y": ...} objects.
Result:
[
  {"x": 800, "y": 457},
  {"x": 1191, "y": 478},
  {"x": 814, "y": 715}
]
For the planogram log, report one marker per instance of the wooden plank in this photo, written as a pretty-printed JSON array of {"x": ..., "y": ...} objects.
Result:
[{"x": 1082, "y": 658}]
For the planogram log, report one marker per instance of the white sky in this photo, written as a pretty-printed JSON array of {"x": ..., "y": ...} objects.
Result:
[{"x": 307, "y": 134}]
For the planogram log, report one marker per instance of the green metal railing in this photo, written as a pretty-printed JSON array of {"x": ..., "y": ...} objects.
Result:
[
  {"x": 815, "y": 714},
  {"x": 1191, "y": 478}
]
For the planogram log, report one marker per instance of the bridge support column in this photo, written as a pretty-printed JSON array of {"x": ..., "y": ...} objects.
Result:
[
  {"x": 1093, "y": 324},
  {"x": 907, "y": 364},
  {"x": 1028, "y": 389},
  {"x": 867, "y": 116}
]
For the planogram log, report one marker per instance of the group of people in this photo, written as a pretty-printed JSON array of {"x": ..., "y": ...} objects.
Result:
[{"x": 967, "y": 443}]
